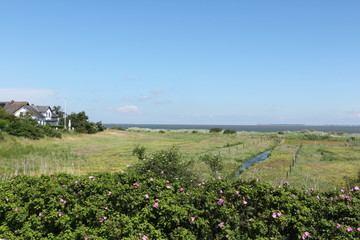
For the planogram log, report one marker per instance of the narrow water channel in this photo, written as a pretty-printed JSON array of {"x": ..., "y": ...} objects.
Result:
[{"x": 258, "y": 158}]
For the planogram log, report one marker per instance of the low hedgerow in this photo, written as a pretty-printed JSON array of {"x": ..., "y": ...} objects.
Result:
[{"x": 145, "y": 206}]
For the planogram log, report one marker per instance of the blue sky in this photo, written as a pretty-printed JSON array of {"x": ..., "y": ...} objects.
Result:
[{"x": 185, "y": 62}]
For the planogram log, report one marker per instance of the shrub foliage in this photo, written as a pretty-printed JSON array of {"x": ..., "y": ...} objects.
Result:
[
  {"x": 229, "y": 131},
  {"x": 215, "y": 130},
  {"x": 146, "y": 206}
]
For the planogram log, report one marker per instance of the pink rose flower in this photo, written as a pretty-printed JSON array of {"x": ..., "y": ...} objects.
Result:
[{"x": 305, "y": 235}]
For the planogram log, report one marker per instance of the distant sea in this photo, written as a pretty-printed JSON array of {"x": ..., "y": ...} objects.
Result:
[{"x": 247, "y": 128}]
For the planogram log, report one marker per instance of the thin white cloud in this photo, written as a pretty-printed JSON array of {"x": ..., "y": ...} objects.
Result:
[
  {"x": 126, "y": 109},
  {"x": 34, "y": 95},
  {"x": 158, "y": 91},
  {"x": 144, "y": 98}
]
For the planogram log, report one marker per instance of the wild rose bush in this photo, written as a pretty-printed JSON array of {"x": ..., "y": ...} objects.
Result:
[{"x": 144, "y": 206}]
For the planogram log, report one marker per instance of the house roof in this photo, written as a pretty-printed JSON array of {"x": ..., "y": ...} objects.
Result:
[
  {"x": 34, "y": 111},
  {"x": 12, "y": 107},
  {"x": 43, "y": 108}
]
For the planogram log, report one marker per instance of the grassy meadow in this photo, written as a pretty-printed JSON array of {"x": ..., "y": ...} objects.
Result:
[{"x": 306, "y": 160}]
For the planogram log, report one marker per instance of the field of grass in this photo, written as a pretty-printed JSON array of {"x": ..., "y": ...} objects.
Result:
[
  {"x": 322, "y": 160},
  {"x": 319, "y": 164},
  {"x": 111, "y": 150}
]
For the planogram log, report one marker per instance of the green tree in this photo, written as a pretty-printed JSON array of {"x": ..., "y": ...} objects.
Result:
[
  {"x": 80, "y": 122},
  {"x": 7, "y": 116},
  {"x": 60, "y": 113}
]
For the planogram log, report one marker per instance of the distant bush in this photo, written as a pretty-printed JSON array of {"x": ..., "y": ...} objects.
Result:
[
  {"x": 25, "y": 129},
  {"x": 337, "y": 133},
  {"x": 139, "y": 151},
  {"x": 166, "y": 163},
  {"x": 352, "y": 140},
  {"x": 232, "y": 144},
  {"x": 118, "y": 128},
  {"x": 316, "y": 136},
  {"x": 215, "y": 130},
  {"x": 50, "y": 131},
  {"x": 194, "y": 131},
  {"x": 229, "y": 131},
  {"x": 161, "y": 131}
]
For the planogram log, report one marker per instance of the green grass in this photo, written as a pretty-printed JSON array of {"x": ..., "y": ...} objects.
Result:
[
  {"x": 112, "y": 150},
  {"x": 323, "y": 162},
  {"x": 320, "y": 164}
]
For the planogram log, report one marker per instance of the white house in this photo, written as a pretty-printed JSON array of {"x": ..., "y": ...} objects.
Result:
[
  {"x": 50, "y": 117},
  {"x": 43, "y": 114}
]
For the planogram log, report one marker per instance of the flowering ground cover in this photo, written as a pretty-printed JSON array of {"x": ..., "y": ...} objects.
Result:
[{"x": 129, "y": 205}]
